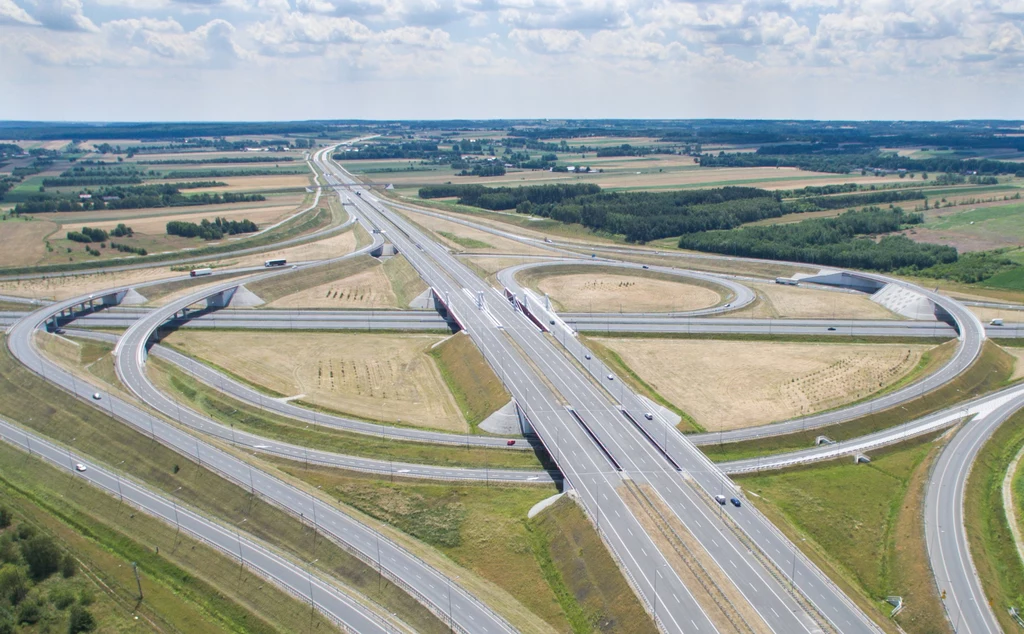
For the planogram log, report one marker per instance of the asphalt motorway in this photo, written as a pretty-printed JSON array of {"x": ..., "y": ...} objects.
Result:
[
  {"x": 296, "y": 580},
  {"x": 580, "y": 446},
  {"x": 951, "y": 561}
]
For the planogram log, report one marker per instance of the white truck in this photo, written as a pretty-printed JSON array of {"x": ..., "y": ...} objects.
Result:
[
  {"x": 200, "y": 272},
  {"x": 998, "y": 321}
]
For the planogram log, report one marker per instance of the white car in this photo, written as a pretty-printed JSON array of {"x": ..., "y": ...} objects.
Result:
[
  {"x": 648, "y": 416},
  {"x": 587, "y": 356},
  {"x": 720, "y": 499},
  {"x": 96, "y": 396},
  {"x": 611, "y": 377},
  {"x": 80, "y": 467}
]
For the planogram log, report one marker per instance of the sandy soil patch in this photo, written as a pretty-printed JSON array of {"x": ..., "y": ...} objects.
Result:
[
  {"x": 735, "y": 384},
  {"x": 790, "y": 302},
  {"x": 197, "y": 212},
  {"x": 332, "y": 247},
  {"x": 603, "y": 292},
  {"x": 55, "y": 288},
  {"x": 368, "y": 289},
  {"x": 372, "y": 376},
  {"x": 22, "y": 241},
  {"x": 497, "y": 243}
]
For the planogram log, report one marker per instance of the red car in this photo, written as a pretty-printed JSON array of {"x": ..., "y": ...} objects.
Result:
[{"x": 510, "y": 443}]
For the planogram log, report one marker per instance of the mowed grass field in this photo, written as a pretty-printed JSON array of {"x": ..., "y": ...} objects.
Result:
[
  {"x": 381, "y": 377},
  {"x": 972, "y": 228},
  {"x": 586, "y": 288},
  {"x": 737, "y": 384},
  {"x": 862, "y": 524}
]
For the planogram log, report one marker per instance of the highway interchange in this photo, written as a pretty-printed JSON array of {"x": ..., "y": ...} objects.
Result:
[{"x": 599, "y": 438}]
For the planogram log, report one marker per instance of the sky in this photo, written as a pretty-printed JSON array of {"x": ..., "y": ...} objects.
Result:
[{"x": 151, "y": 60}]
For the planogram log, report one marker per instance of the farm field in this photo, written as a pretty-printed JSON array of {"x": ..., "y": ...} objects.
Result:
[
  {"x": 778, "y": 301},
  {"x": 974, "y": 228},
  {"x": 23, "y": 240},
  {"x": 380, "y": 377},
  {"x": 259, "y": 183},
  {"x": 332, "y": 247},
  {"x": 779, "y": 380}
]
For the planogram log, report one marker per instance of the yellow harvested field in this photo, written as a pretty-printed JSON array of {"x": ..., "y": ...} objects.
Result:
[
  {"x": 371, "y": 376},
  {"x": 737, "y": 384},
  {"x": 610, "y": 293},
  {"x": 368, "y": 289},
  {"x": 22, "y": 241},
  {"x": 63, "y": 287},
  {"x": 498, "y": 244},
  {"x": 791, "y": 302},
  {"x": 157, "y": 225},
  {"x": 332, "y": 247},
  {"x": 260, "y": 183},
  {"x": 131, "y": 216}
]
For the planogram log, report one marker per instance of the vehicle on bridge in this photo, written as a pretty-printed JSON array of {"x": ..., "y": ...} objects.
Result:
[
  {"x": 200, "y": 272},
  {"x": 280, "y": 262}
]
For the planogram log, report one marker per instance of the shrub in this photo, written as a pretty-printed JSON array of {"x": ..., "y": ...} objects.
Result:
[
  {"x": 61, "y": 597},
  {"x": 80, "y": 620},
  {"x": 68, "y": 566},
  {"x": 13, "y": 583},
  {"x": 42, "y": 556},
  {"x": 5, "y": 517},
  {"x": 29, "y": 612}
]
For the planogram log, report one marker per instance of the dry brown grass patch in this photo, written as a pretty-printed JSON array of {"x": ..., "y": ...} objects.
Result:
[
  {"x": 735, "y": 384},
  {"x": 381, "y": 377},
  {"x": 788, "y": 302},
  {"x": 22, "y": 241},
  {"x": 608, "y": 292}
]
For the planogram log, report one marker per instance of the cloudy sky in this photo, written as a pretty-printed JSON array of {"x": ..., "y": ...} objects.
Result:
[{"x": 304, "y": 59}]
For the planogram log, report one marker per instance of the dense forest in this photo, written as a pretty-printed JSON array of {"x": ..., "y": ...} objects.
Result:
[
  {"x": 835, "y": 241},
  {"x": 645, "y": 216}
]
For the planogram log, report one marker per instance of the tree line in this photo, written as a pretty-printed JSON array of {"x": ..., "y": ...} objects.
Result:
[
  {"x": 138, "y": 197},
  {"x": 835, "y": 241},
  {"x": 210, "y": 230},
  {"x": 841, "y": 162}
]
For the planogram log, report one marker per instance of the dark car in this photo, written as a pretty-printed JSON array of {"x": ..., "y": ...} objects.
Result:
[
  {"x": 831, "y": 328},
  {"x": 735, "y": 501},
  {"x": 646, "y": 267}
]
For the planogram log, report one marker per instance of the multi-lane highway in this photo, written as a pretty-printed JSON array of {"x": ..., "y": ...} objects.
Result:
[
  {"x": 968, "y": 609},
  {"x": 597, "y": 447},
  {"x": 441, "y": 594},
  {"x": 292, "y": 577}
]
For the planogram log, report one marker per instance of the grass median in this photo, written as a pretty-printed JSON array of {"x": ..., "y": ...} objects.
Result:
[
  {"x": 863, "y": 525},
  {"x": 477, "y": 390},
  {"x": 31, "y": 401},
  {"x": 991, "y": 371},
  {"x": 993, "y": 549},
  {"x": 245, "y": 417}
]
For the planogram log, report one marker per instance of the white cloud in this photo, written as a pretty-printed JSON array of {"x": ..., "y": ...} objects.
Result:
[
  {"x": 62, "y": 15},
  {"x": 10, "y": 13},
  {"x": 547, "y": 41}
]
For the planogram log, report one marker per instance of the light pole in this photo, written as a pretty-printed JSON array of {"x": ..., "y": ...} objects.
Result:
[
  {"x": 177, "y": 524},
  {"x": 309, "y": 576},
  {"x": 117, "y": 474},
  {"x": 238, "y": 534}
]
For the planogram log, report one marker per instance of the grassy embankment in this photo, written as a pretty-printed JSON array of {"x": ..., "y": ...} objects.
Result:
[
  {"x": 405, "y": 281},
  {"x": 863, "y": 525},
  {"x": 476, "y": 388},
  {"x": 245, "y": 417},
  {"x": 27, "y": 399},
  {"x": 482, "y": 528},
  {"x": 469, "y": 243},
  {"x": 993, "y": 549},
  {"x": 187, "y": 587},
  {"x": 611, "y": 359},
  {"x": 991, "y": 371}
]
